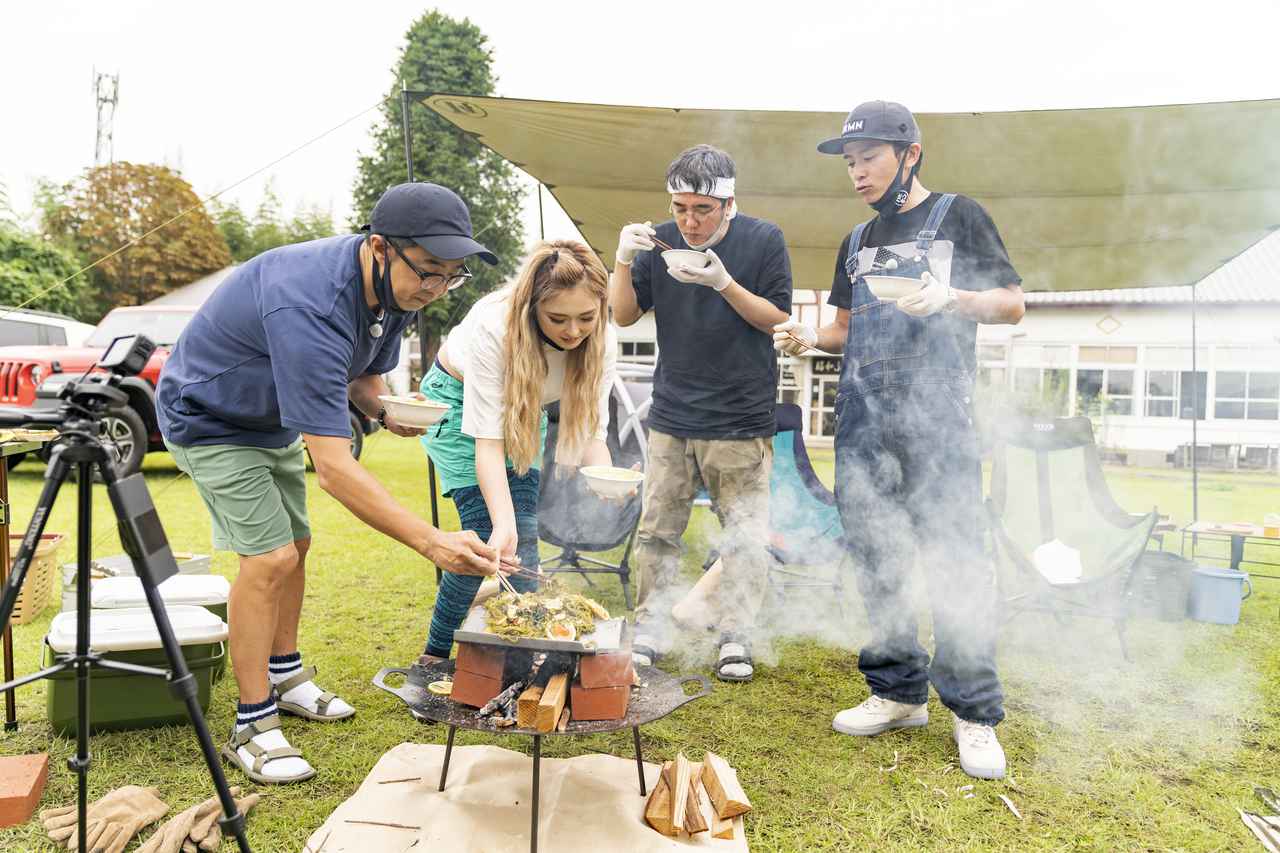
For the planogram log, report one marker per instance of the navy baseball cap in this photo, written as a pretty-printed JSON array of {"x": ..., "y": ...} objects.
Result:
[
  {"x": 430, "y": 215},
  {"x": 883, "y": 121}
]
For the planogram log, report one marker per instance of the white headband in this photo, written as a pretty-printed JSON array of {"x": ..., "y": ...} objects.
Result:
[{"x": 722, "y": 188}]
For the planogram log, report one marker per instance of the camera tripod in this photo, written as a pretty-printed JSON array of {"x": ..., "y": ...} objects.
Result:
[{"x": 80, "y": 448}]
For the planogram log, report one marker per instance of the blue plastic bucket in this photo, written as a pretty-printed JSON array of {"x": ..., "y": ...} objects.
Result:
[{"x": 1216, "y": 595}]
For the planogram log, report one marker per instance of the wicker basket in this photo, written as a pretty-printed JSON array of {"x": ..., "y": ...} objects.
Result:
[{"x": 40, "y": 589}]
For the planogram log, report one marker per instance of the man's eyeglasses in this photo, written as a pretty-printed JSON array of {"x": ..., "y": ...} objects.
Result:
[
  {"x": 699, "y": 212},
  {"x": 430, "y": 279}
]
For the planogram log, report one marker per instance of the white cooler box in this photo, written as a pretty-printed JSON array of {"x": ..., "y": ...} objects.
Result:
[
  {"x": 207, "y": 591},
  {"x": 122, "y": 700},
  {"x": 121, "y": 566}
]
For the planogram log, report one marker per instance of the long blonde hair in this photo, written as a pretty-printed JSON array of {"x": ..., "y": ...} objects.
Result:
[{"x": 553, "y": 267}]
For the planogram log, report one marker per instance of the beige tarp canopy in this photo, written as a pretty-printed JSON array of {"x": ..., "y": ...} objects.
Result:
[{"x": 1085, "y": 199}]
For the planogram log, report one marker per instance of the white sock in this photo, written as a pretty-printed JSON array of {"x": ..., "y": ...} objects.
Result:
[
  {"x": 306, "y": 694},
  {"x": 734, "y": 670},
  {"x": 274, "y": 739}
]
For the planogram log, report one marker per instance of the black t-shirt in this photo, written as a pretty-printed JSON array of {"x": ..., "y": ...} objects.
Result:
[
  {"x": 717, "y": 376},
  {"x": 967, "y": 253}
]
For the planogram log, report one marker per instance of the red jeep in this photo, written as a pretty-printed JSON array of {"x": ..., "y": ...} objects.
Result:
[{"x": 32, "y": 376}]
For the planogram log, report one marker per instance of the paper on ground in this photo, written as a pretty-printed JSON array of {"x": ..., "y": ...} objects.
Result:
[
  {"x": 1058, "y": 563},
  {"x": 590, "y": 803}
]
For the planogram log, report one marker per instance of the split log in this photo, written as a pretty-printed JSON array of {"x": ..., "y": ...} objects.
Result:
[
  {"x": 657, "y": 812},
  {"x": 551, "y": 703},
  {"x": 694, "y": 820},
  {"x": 527, "y": 707},
  {"x": 721, "y": 781},
  {"x": 564, "y": 720},
  {"x": 680, "y": 791}
]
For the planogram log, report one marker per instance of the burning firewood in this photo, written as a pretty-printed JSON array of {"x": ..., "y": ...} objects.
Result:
[{"x": 501, "y": 700}]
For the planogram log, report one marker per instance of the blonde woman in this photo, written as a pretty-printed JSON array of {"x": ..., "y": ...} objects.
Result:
[{"x": 545, "y": 338}]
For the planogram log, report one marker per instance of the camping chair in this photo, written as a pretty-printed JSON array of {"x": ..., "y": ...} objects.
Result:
[
  {"x": 804, "y": 524},
  {"x": 1046, "y": 484},
  {"x": 579, "y": 522}
]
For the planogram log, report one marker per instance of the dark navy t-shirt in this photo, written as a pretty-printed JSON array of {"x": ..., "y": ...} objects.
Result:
[
  {"x": 717, "y": 375},
  {"x": 270, "y": 354}
]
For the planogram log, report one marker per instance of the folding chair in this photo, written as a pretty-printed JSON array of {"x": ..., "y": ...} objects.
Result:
[
  {"x": 804, "y": 524},
  {"x": 1046, "y": 484},
  {"x": 579, "y": 522}
]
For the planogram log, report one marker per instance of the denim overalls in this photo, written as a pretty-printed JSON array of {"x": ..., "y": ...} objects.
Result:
[{"x": 908, "y": 482}]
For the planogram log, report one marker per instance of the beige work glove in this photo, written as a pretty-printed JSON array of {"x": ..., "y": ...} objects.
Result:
[
  {"x": 207, "y": 834},
  {"x": 110, "y": 822},
  {"x": 170, "y": 837},
  {"x": 794, "y": 338}
]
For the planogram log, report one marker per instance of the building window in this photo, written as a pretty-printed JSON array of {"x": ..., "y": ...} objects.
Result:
[
  {"x": 822, "y": 405},
  {"x": 1047, "y": 390},
  {"x": 1162, "y": 393},
  {"x": 642, "y": 351},
  {"x": 1253, "y": 395},
  {"x": 1104, "y": 390}
]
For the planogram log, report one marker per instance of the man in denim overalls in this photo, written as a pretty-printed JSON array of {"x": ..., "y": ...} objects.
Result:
[{"x": 908, "y": 474}]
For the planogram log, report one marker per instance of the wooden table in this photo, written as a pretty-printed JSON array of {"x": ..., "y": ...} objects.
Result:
[
  {"x": 7, "y": 449},
  {"x": 1238, "y": 534}
]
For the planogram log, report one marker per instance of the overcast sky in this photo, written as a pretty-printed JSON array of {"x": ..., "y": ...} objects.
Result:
[{"x": 221, "y": 89}]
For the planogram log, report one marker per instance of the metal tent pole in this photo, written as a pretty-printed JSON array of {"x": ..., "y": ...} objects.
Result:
[
  {"x": 1195, "y": 417},
  {"x": 542, "y": 228}
]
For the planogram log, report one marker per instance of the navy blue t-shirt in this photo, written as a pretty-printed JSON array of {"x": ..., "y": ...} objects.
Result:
[
  {"x": 717, "y": 375},
  {"x": 270, "y": 354}
]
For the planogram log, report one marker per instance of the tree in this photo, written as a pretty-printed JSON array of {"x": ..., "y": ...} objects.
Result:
[
  {"x": 247, "y": 238},
  {"x": 445, "y": 55},
  {"x": 110, "y": 206},
  {"x": 31, "y": 268}
]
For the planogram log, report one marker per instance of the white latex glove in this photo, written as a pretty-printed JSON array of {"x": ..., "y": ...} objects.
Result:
[
  {"x": 634, "y": 239},
  {"x": 928, "y": 300},
  {"x": 785, "y": 335},
  {"x": 713, "y": 275}
]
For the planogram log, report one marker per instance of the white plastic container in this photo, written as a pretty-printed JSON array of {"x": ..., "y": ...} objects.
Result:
[
  {"x": 120, "y": 565},
  {"x": 207, "y": 591},
  {"x": 131, "y": 629}
]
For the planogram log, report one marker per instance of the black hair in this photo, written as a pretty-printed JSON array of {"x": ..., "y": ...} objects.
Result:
[{"x": 699, "y": 167}]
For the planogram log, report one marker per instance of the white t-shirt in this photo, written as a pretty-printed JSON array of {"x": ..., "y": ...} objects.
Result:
[{"x": 474, "y": 349}]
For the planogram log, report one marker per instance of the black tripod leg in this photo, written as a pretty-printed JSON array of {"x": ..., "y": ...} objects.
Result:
[
  {"x": 56, "y": 476},
  {"x": 635, "y": 734},
  {"x": 533, "y": 820},
  {"x": 134, "y": 509},
  {"x": 79, "y": 763}
]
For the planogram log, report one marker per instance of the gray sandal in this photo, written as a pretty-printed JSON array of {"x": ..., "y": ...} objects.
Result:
[
  {"x": 322, "y": 703},
  {"x": 244, "y": 739}
]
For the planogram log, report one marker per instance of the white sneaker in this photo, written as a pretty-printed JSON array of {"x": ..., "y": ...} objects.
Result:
[
  {"x": 981, "y": 755},
  {"x": 877, "y": 715}
]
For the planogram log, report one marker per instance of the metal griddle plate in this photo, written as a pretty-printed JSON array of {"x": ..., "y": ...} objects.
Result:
[
  {"x": 658, "y": 695},
  {"x": 607, "y": 637}
]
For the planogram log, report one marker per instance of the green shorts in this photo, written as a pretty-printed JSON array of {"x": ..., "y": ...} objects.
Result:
[{"x": 256, "y": 496}]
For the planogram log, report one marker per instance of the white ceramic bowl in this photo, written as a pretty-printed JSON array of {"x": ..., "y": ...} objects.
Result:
[
  {"x": 687, "y": 257},
  {"x": 610, "y": 482},
  {"x": 892, "y": 287},
  {"x": 412, "y": 412}
]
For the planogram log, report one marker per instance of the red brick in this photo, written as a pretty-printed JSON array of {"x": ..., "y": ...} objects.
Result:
[
  {"x": 611, "y": 670},
  {"x": 474, "y": 690},
  {"x": 480, "y": 659},
  {"x": 600, "y": 703},
  {"x": 22, "y": 779}
]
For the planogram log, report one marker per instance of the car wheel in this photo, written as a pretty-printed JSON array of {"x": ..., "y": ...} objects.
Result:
[
  {"x": 357, "y": 436},
  {"x": 123, "y": 430}
]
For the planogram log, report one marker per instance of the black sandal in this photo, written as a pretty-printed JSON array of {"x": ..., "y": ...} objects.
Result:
[{"x": 726, "y": 660}]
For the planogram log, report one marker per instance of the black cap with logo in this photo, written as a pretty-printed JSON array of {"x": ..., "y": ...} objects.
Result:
[
  {"x": 883, "y": 121},
  {"x": 430, "y": 215}
]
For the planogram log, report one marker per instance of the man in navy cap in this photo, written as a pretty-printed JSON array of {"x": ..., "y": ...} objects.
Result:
[
  {"x": 908, "y": 476},
  {"x": 268, "y": 363}
]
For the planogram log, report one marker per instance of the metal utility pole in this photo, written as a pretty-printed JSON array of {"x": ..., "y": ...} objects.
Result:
[{"x": 106, "y": 91}]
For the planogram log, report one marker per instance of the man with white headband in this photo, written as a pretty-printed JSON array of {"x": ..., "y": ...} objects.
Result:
[{"x": 711, "y": 423}]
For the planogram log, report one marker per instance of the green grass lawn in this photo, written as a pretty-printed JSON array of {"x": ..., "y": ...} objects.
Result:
[{"x": 1104, "y": 755}]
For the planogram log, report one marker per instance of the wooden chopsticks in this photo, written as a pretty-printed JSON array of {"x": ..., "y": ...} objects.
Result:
[{"x": 660, "y": 243}]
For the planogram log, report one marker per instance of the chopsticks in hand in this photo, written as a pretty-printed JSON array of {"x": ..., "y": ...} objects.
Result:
[{"x": 660, "y": 243}]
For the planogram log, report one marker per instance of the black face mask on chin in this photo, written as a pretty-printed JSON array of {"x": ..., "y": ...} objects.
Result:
[
  {"x": 895, "y": 196},
  {"x": 382, "y": 288}
]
